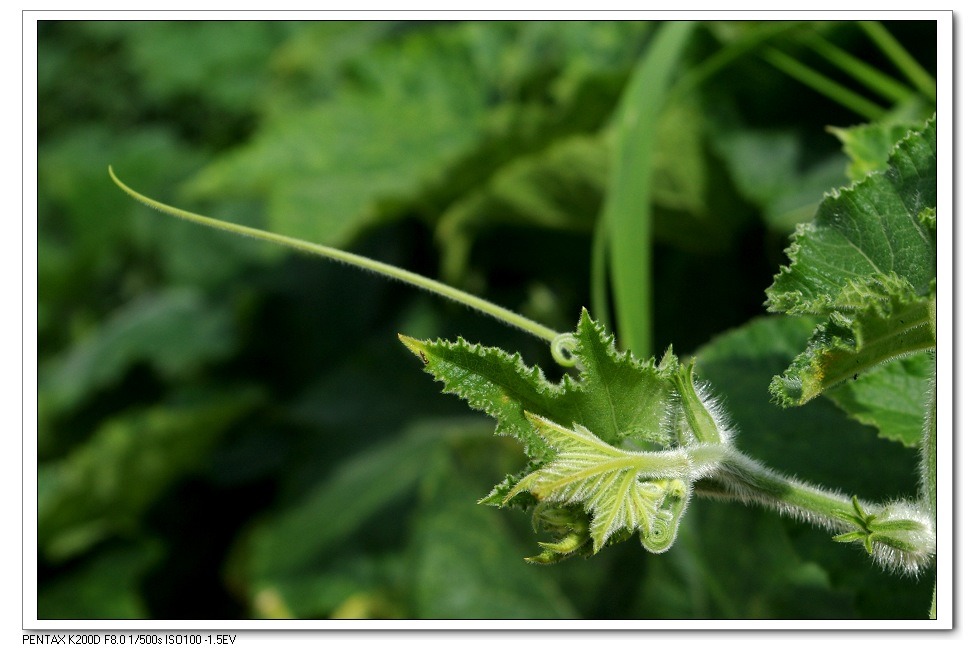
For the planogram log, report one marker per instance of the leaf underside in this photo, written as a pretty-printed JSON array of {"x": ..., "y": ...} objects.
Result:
[{"x": 622, "y": 490}]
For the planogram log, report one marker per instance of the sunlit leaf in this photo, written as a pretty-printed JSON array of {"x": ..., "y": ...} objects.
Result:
[{"x": 638, "y": 491}]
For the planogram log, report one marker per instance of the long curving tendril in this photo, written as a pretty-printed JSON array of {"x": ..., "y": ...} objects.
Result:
[{"x": 365, "y": 263}]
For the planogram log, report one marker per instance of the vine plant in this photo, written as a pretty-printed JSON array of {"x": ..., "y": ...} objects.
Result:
[{"x": 618, "y": 446}]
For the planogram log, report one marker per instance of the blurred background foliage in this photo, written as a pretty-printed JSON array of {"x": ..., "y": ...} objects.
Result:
[{"x": 228, "y": 430}]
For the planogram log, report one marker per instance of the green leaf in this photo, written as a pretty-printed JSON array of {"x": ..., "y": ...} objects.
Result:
[
  {"x": 286, "y": 547},
  {"x": 306, "y": 560},
  {"x": 104, "y": 487},
  {"x": 615, "y": 397},
  {"x": 616, "y": 401},
  {"x": 331, "y": 167},
  {"x": 324, "y": 172},
  {"x": 626, "y": 212},
  {"x": 867, "y": 262},
  {"x": 637, "y": 491},
  {"x": 868, "y": 230},
  {"x": 464, "y": 562},
  {"x": 892, "y": 398},
  {"x": 175, "y": 331},
  {"x": 557, "y": 189},
  {"x": 173, "y": 58},
  {"x": 868, "y": 146},
  {"x": 886, "y": 320}
]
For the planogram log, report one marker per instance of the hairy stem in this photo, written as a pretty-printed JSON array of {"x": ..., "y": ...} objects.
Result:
[
  {"x": 746, "y": 480},
  {"x": 929, "y": 454},
  {"x": 901, "y": 533},
  {"x": 388, "y": 270},
  {"x": 929, "y": 473}
]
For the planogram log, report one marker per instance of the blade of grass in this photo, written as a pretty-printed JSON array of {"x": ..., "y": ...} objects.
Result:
[
  {"x": 901, "y": 58},
  {"x": 731, "y": 52},
  {"x": 598, "y": 288},
  {"x": 626, "y": 210},
  {"x": 824, "y": 85},
  {"x": 869, "y": 76}
]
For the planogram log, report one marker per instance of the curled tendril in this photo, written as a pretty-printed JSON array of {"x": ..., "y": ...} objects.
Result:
[{"x": 562, "y": 346}]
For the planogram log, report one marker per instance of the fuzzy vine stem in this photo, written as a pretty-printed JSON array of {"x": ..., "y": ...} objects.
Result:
[
  {"x": 929, "y": 451},
  {"x": 929, "y": 473},
  {"x": 745, "y": 479},
  {"x": 365, "y": 263},
  {"x": 905, "y": 531}
]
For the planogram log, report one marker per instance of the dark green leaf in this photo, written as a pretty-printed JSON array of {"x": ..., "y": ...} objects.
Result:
[
  {"x": 107, "y": 585},
  {"x": 867, "y": 262},
  {"x": 615, "y": 397},
  {"x": 869, "y": 145},
  {"x": 465, "y": 564},
  {"x": 302, "y": 535},
  {"x": 866, "y": 231},
  {"x": 892, "y": 398},
  {"x": 103, "y": 487},
  {"x": 176, "y": 332}
]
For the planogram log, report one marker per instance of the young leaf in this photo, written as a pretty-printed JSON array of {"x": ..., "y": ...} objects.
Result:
[
  {"x": 615, "y": 397},
  {"x": 644, "y": 491},
  {"x": 867, "y": 261},
  {"x": 616, "y": 401}
]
